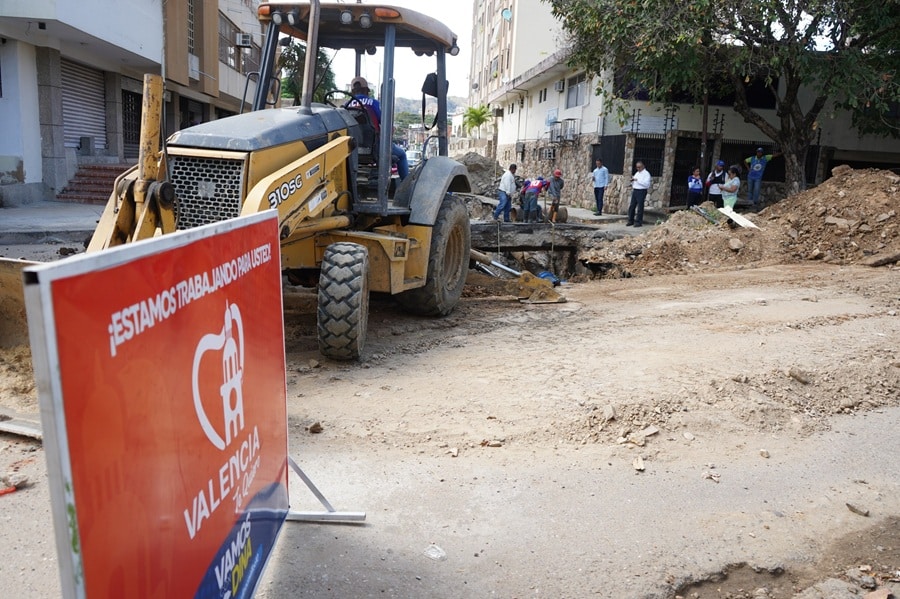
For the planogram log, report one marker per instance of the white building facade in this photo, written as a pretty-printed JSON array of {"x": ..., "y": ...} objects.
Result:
[
  {"x": 71, "y": 75},
  {"x": 547, "y": 116}
]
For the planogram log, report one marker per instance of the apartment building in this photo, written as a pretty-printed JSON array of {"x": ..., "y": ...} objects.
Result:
[
  {"x": 548, "y": 115},
  {"x": 71, "y": 75}
]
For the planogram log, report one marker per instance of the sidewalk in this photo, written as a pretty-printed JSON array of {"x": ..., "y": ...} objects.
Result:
[{"x": 41, "y": 222}]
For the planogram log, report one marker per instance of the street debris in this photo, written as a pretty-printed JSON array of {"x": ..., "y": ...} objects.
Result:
[
  {"x": 434, "y": 552},
  {"x": 857, "y": 510},
  {"x": 713, "y": 476}
]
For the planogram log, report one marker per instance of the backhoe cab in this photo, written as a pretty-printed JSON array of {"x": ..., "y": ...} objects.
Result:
[{"x": 341, "y": 226}]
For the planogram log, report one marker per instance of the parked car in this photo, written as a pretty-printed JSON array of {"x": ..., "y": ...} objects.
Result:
[{"x": 414, "y": 157}]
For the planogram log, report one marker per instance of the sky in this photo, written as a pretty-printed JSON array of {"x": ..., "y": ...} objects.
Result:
[{"x": 410, "y": 70}]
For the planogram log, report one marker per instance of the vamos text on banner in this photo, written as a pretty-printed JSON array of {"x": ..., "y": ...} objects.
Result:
[{"x": 160, "y": 369}]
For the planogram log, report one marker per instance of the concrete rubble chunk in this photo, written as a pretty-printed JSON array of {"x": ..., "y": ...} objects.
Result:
[
  {"x": 609, "y": 412},
  {"x": 649, "y": 431},
  {"x": 799, "y": 375}
]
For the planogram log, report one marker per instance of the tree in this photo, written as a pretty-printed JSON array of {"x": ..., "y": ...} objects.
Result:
[
  {"x": 292, "y": 63},
  {"x": 842, "y": 52},
  {"x": 476, "y": 116}
]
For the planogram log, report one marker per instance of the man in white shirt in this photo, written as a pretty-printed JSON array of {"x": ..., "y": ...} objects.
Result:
[
  {"x": 505, "y": 192},
  {"x": 640, "y": 184}
]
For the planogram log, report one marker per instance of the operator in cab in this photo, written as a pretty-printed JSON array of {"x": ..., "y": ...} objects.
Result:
[{"x": 359, "y": 89}]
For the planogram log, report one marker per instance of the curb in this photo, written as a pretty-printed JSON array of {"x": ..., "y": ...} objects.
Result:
[{"x": 44, "y": 237}]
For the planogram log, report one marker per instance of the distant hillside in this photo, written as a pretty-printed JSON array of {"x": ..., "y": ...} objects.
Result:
[{"x": 415, "y": 105}]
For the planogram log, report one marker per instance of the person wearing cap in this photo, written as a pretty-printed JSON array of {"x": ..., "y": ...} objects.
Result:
[
  {"x": 554, "y": 190},
  {"x": 713, "y": 180},
  {"x": 757, "y": 166},
  {"x": 359, "y": 89}
]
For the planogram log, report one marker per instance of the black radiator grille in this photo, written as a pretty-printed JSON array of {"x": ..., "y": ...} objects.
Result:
[{"x": 207, "y": 190}]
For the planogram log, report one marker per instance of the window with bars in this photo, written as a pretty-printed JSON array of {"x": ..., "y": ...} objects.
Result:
[{"x": 190, "y": 27}]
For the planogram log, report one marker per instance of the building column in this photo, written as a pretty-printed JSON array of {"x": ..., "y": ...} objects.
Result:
[
  {"x": 624, "y": 197},
  {"x": 113, "y": 91},
  {"x": 662, "y": 188},
  {"x": 53, "y": 146}
]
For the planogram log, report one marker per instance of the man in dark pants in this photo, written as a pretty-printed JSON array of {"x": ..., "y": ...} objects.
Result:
[{"x": 640, "y": 184}]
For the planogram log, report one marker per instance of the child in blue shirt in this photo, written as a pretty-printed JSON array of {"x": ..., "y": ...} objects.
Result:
[{"x": 695, "y": 188}]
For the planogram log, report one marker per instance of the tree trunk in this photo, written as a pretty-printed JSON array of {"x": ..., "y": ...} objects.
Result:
[{"x": 794, "y": 166}]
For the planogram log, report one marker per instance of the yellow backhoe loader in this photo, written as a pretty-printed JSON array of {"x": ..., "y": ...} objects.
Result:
[{"x": 323, "y": 167}]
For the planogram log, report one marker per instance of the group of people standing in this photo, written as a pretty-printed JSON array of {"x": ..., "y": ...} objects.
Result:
[
  {"x": 529, "y": 191},
  {"x": 721, "y": 186}
]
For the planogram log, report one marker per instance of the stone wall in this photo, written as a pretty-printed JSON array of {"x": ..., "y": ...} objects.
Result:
[
  {"x": 573, "y": 159},
  {"x": 575, "y": 162}
]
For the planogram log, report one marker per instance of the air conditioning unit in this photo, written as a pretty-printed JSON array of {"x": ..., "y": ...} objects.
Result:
[
  {"x": 194, "y": 66},
  {"x": 520, "y": 147},
  {"x": 560, "y": 85},
  {"x": 498, "y": 113},
  {"x": 243, "y": 40}
]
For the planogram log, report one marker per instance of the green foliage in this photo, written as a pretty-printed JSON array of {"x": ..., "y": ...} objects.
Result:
[
  {"x": 292, "y": 63},
  {"x": 844, "y": 51},
  {"x": 402, "y": 120},
  {"x": 476, "y": 116}
]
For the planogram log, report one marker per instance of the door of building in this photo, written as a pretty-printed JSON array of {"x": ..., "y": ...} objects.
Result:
[{"x": 84, "y": 106}]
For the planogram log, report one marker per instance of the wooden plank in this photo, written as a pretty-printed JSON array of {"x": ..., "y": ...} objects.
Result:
[
  {"x": 739, "y": 219},
  {"x": 22, "y": 428}
]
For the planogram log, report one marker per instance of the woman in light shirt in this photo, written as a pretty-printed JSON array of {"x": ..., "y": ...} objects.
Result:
[{"x": 731, "y": 186}]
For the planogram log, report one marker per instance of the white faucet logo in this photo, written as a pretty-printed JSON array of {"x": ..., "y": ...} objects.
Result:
[{"x": 230, "y": 340}]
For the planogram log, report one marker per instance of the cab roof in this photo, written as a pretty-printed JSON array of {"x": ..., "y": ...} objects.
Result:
[{"x": 413, "y": 29}]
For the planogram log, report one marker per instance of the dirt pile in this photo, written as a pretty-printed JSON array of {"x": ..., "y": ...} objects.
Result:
[
  {"x": 850, "y": 219},
  {"x": 484, "y": 173}
]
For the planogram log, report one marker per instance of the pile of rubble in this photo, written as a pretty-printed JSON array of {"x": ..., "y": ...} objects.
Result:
[
  {"x": 484, "y": 173},
  {"x": 849, "y": 219}
]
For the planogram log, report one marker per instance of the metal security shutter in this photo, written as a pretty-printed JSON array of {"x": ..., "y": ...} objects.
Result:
[{"x": 84, "y": 105}]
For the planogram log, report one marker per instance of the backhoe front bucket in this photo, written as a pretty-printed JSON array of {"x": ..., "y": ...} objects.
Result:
[{"x": 13, "y": 324}]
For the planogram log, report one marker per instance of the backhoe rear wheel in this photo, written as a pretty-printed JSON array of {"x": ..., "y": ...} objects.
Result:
[
  {"x": 342, "y": 316},
  {"x": 448, "y": 263}
]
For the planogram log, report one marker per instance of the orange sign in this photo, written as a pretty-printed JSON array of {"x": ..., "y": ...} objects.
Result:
[{"x": 161, "y": 373}]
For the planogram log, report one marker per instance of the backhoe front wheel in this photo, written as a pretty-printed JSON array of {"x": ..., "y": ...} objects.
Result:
[
  {"x": 342, "y": 316},
  {"x": 448, "y": 263}
]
